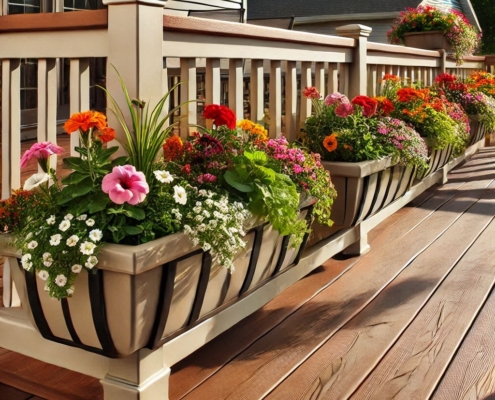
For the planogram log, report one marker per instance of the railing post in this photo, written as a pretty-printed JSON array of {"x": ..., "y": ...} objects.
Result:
[
  {"x": 135, "y": 36},
  {"x": 358, "y": 69}
]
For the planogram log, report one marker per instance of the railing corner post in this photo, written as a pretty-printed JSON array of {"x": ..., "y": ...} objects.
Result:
[
  {"x": 135, "y": 37},
  {"x": 358, "y": 69}
]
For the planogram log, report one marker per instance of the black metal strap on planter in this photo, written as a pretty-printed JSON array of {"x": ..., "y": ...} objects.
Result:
[
  {"x": 302, "y": 247},
  {"x": 283, "y": 253},
  {"x": 204, "y": 279},
  {"x": 253, "y": 261},
  {"x": 366, "y": 186},
  {"x": 98, "y": 310}
]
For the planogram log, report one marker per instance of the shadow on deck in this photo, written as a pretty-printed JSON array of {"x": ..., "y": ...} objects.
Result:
[{"x": 412, "y": 319}]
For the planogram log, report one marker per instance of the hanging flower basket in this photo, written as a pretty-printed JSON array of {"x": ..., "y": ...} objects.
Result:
[{"x": 431, "y": 40}]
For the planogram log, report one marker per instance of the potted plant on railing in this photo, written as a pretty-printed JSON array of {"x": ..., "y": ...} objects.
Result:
[
  {"x": 141, "y": 247},
  {"x": 430, "y": 28},
  {"x": 479, "y": 107},
  {"x": 372, "y": 157},
  {"x": 443, "y": 124}
]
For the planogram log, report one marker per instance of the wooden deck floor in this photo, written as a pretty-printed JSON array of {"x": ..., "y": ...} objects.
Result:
[{"x": 412, "y": 319}]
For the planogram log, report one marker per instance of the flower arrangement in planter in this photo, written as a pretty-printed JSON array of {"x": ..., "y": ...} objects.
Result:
[
  {"x": 456, "y": 28},
  {"x": 372, "y": 157},
  {"x": 146, "y": 243},
  {"x": 479, "y": 106}
]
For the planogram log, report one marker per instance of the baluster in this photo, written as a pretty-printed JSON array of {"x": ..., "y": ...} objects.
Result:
[
  {"x": 372, "y": 80},
  {"x": 344, "y": 79},
  {"x": 320, "y": 77},
  {"x": 79, "y": 93},
  {"x": 306, "y": 81},
  {"x": 257, "y": 92},
  {"x": 47, "y": 104},
  {"x": 188, "y": 93},
  {"x": 236, "y": 87},
  {"x": 213, "y": 84},
  {"x": 333, "y": 78},
  {"x": 275, "y": 99},
  {"x": 291, "y": 101},
  {"x": 165, "y": 89},
  {"x": 11, "y": 126},
  {"x": 379, "y": 74}
]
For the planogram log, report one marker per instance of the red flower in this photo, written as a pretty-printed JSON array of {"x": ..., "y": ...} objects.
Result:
[
  {"x": 406, "y": 95},
  {"x": 173, "y": 148},
  {"x": 390, "y": 77},
  {"x": 220, "y": 115},
  {"x": 107, "y": 135},
  {"x": 369, "y": 105},
  {"x": 311, "y": 93},
  {"x": 186, "y": 169},
  {"x": 445, "y": 78},
  {"x": 385, "y": 106}
]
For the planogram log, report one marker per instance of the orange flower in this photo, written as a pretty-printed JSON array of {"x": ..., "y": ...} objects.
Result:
[
  {"x": 172, "y": 149},
  {"x": 330, "y": 142},
  {"x": 107, "y": 135},
  {"x": 85, "y": 121}
]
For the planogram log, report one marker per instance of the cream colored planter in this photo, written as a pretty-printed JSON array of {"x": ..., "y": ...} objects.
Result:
[
  {"x": 438, "y": 159},
  {"x": 478, "y": 129},
  {"x": 432, "y": 40},
  {"x": 363, "y": 189},
  {"x": 142, "y": 296}
]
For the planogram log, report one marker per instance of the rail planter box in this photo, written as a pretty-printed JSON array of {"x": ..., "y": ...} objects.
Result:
[
  {"x": 438, "y": 159},
  {"x": 478, "y": 130},
  {"x": 432, "y": 40},
  {"x": 142, "y": 296},
  {"x": 363, "y": 189}
]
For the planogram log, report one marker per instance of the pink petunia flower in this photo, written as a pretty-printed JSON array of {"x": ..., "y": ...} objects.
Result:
[
  {"x": 344, "y": 110},
  {"x": 41, "y": 152},
  {"x": 125, "y": 185}
]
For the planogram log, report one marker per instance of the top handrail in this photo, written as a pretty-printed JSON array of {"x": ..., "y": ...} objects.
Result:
[{"x": 95, "y": 19}]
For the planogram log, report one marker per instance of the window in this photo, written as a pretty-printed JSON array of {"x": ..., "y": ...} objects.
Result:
[
  {"x": 23, "y": 6},
  {"x": 76, "y": 5}
]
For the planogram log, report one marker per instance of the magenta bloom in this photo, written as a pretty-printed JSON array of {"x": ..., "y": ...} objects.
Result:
[
  {"x": 125, "y": 185},
  {"x": 336, "y": 98},
  {"x": 344, "y": 110},
  {"x": 41, "y": 152}
]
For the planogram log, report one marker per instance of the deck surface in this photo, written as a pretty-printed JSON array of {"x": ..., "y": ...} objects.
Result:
[{"x": 412, "y": 319}]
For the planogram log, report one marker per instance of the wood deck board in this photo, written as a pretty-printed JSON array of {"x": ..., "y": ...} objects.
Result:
[
  {"x": 412, "y": 369},
  {"x": 339, "y": 366},
  {"x": 471, "y": 375},
  {"x": 267, "y": 361}
]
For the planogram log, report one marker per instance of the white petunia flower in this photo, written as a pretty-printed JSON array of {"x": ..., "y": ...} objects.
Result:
[
  {"x": 180, "y": 195},
  {"x": 43, "y": 274},
  {"x": 72, "y": 241},
  {"x": 47, "y": 256},
  {"x": 95, "y": 235},
  {"x": 87, "y": 248},
  {"x": 91, "y": 262},
  {"x": 164, "y": 176},
  {"x": 32, "y": 244},
  {"x": 90, "y": 222},
  {"x": 61, "y": 280},
  {"x": 70, "y": 291},
  {"x": 51, "y": 220},
  {"x": 55, "y": 239},
  {"x": 68, "y": 217},
  {"x": 64, "y": 225},
  {"x": 36, "y": 180},
  {"x": 82, "y": 217},
  {"x": 26, "y": 261},
  {"x": 76, "y": 268}
]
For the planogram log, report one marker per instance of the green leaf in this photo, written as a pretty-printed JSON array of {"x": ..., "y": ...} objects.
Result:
[
  {"x": 120, "y": 161},
  {"x": 69, "y": 193},
  {"x": 234, "y": 180},
  {"x": 132, "y": 230},
  {"x": 98, "y": 202},
  {"x": 76, "y": 164},
  {"x": 258, "y": 157},
  {"x": 134, "y": 212},
  {"x": 73, "y": 178},
  {"x": 118, "y": 235}
]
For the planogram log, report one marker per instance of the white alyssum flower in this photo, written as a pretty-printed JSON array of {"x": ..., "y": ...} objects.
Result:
[
  {"x": 72, "y": 241},
  {"x": 68, "y": 217},
  {"x": 47, "y": 256},
  {"x": 26, "y": 261},
  {"x": 95, "y": 235},
  {"x": 90, "y": 222},
  {"x": 197, "y": 209},
  {"x": 61, "y": 280},
  {"x": 82, "y": 217},
  {"x": 32, "y": 244},
  {"x": 87, "y": 248},
  {"x": 35, "y": 180},
  {"x": 76, "y": 268},
  {"x": 55, "y": 239},
  {"x": 51, "y": 220},
  {"x": 164, "y": 176},
  {"x": 177, "y": 213},
  {"x": 91, "y": 262},
  {"x": 70, "y": 291},
  {"x": 43, "y": 274},
  {"x": 64, "y": 225},
  {"x": 180, "y": 195}
]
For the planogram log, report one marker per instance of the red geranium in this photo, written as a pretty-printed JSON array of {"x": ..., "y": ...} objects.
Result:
[
  {"x": 221, "y": 115},
  {"x": 445, "y": 78},
  {"x": 385, "y": 106},
  {"x": 369, "y": 105},
  {"x": 311, "y": 93}
]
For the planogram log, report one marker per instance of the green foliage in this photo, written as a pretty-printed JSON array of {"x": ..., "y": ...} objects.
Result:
[{"x": 485, "y": 12}]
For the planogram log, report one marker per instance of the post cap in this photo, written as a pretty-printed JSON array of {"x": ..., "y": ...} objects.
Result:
[{"x": 354, "y": 31}]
